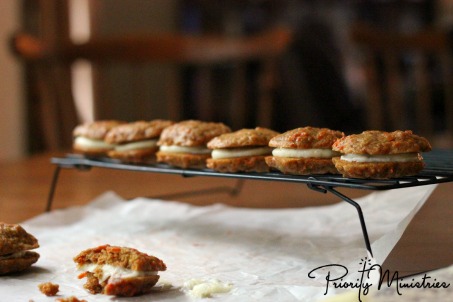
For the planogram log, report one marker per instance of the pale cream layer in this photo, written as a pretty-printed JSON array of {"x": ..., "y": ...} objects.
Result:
[
  {"x": 304, "y": 153},
  {"x": 114, "y": 272},
  {"x": 204, "y": 289},
  {"x": 13, "y": 255},
  {"x": 182, "y": 149},
  {"x": 366, "y": 158},
  {"x": 88, "y": 143},
  {"x": 240, "y": 152},
  {"x": 146, "y": 144}
]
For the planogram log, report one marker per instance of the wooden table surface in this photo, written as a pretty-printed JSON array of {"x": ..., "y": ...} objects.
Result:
[{"x": 24, "y": 187}]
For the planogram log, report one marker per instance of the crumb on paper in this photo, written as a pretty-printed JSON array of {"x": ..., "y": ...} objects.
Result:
[
  {"x": 206, "y": 288},
  {"x": 164, "y": 285},
  {"x": 49, "y": 289},
  {"x": 70, "y": 299}
]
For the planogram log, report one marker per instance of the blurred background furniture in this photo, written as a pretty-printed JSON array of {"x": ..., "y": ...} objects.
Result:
[
  {"x": 202, "y": 52},
  {"x": 317, "y": 79},
  {"x": 209, "y": 79},
  {"x": 409, "y": 80}
]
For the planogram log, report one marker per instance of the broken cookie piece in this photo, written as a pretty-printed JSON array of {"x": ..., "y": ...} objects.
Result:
[
  {"x": 15, "y": 246},
  {"x": 119, "y": 271}
]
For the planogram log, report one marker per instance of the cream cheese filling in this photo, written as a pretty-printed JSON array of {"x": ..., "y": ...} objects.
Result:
[
  {"x": 137, "y": 145},
  {"x": 205, "y": 289},
  {"x": 366, "y": 158},
  {"x": 114, "y": 272},
  {"x": 183, "y": 149},
  {"x": 89, "y": 143},
  {"x": 240, "y": 152},
  {"x": 304, "y": 153},
  {"x": 13, "y": 255}
]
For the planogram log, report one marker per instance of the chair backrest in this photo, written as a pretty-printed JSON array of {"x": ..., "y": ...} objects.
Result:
[
  {"x": 409, "y": 80},
  {"x": 202, "y": 52}
]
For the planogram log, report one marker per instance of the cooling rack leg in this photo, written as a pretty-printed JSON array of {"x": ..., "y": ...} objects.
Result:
[
  {"x": 359, "y": 212},
  {"x": 237, "y": 189},
  {"x": 53, "y": 186}
]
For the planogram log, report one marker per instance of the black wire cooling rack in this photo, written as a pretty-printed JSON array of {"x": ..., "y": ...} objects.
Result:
[{"x": 438, "y": 169}]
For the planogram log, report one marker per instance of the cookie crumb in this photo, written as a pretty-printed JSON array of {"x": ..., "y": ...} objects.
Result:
[
  {"x": 69, "y": 299},
  {"x": 49, "y": 289}
]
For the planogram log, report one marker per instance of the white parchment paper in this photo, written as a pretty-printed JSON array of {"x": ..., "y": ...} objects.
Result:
[{"x": 266, "y": 254}]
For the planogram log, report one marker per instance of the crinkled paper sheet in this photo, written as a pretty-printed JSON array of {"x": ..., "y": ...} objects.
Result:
[{"x": 266, "y": 254}]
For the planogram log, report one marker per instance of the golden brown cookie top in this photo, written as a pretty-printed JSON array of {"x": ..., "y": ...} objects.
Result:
[
  {"x": 125, "y": 257},
  {"x": 136, "y": 131},
  {"x": 191, "y": 133},
  {"x": 96, "y": 129},
  {"x": 243, "y": 138},
  {"x": 306, "y": 138},
  {"x": 13, "y": 238},
  {"x": 375, "y": 142}
]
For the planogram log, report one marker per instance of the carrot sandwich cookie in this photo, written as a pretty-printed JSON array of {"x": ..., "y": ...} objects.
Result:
[
  {"x": 89, "y": 137},
  {"x": 15, "y": 246},
  {"x": 137, "y": 141},
  {"x": 241, "y": 151},
  {"x": 380, "y": 154},
  {"x": 184, "y": 144},
  {"x": 118, "y": 271},
  {"x": 304, "y": 151}
]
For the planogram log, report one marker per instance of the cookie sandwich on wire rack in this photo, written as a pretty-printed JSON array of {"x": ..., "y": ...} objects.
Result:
[
  {"x": 303, "y": 151},
  {"x": 381, "y": 154},
  {"x": 241, "y": 151},
  {"x": 184, "y": 144}
]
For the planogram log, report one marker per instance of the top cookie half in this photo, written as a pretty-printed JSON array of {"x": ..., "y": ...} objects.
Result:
[
  {"x": 243, "y": 138},
  {"x": 191, "y": 133},
  {"x": 306, "y": 138},
  {"x": 13, "y": 238},
  {"x": 96, "y": 130},
  {"x": 124, "y": 257},
  {"x": 137, "y": 131},
  {"x": 375, "y": 142}
]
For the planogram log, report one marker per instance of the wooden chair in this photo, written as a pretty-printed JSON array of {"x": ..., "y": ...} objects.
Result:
[
  {"x": 201, "y": 52},
  {"x": 409, "y": 81}
]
